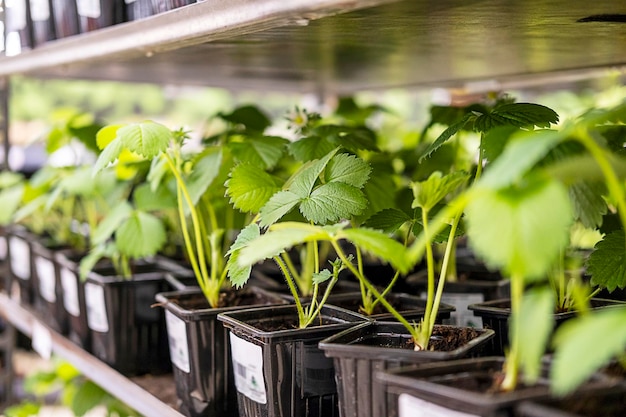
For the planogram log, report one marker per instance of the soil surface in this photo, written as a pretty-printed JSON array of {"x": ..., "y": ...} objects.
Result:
[
  {"x": 231, "y": 298},
  {"x": 443, "y": 339},
  {"x": 355, "y": 304},
  {"x": 289, "y": 323},
  {"x": 612, "y": 405}
]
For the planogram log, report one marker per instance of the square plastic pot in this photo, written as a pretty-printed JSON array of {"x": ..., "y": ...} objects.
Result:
[
  {"x": 200, "y": 350},
  {"x": 283, "y": 373},
  {"x": 65, "y": 16},
  {"x": 42, "y": 21},
  {"x": 605, "y": 402},
  {"x": 98, "y": 14},
  {"x": 20, "y": 263},
  {"x": 363, "y": 350}
]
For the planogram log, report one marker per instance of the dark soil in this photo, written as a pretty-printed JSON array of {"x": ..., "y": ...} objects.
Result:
[
  {"x": 611, "y": 405},
  {"x": 231, "y": 298},
  {"x": 355, "y": 304},
  {"x": 443, "y": 339},
  {"x": 289, "y": 323}
]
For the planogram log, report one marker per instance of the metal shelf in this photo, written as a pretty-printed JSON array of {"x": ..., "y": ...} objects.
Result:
[
  {"x": 339, "y": 46},
  {"x": 145, "y": 394}
]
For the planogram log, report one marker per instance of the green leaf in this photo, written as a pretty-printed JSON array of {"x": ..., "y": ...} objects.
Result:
[
  {"x": 11, "y": 199},
  {"x": 9, "y": 179},
  {"x": 520, "y": 229},
  {"x": 495, "y": 140},
  {"x": 585, "y": 344},
  {"x": 446, "y": 135},
  {"x": 250, "y": 188},
  {"x": 589, "y": 205},
  {"x": 333, "y": 202},
  {"x": 388, "y": 220},
  {"x": 534, "y": 325},
  {"x": 106, "y": 135},
  {"x": 249, "y": 116},
  {"x": 146, "y": 199},
  {"x": 206, "y": 167},
  {"x": 264, "y": 151},
  {"x": 24, "y": 409},
  {"x": 302, "y": 182},
  {"x": 322, "y": 276},
  {"x": 108, "y": 155},
  {"x": 607, "y": 263},
  {"x": 88, "y": 396},
  {"x": 380, "y": 245},
  {"x": 380, "y": 192},
  {"x": 430, "y": 192},
  {"x": 278, "y": 205},
  {"x": 141, "y": 235},
  {"x": 147, "y": 139},
  {"x": 353, "y": 139},
  {"x": 520, "y": 155},
  {"x": 111, "y": 222},
  {"x": 310, "y": 148},
  {"x": 88, "y": 262},
  {"x": 239, "y": 274},
  {"x": 516, "y": 114},
  {"x": 276, "y": 241},
  {"x": 347, "y": 169}
]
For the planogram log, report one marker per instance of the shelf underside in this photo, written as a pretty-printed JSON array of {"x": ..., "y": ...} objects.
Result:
[{"x": 307, "y": 46}]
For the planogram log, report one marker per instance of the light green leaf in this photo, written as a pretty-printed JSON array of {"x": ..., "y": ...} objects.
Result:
[
  {"x": 302, "y": 182},
  {"x": 333, "y": 202},
  {"x": 79, "y": 182},
  {"x": 108, "y": 155},
  {"x": 278, "y": 205},
  {"x": 88, "y": 396},
  {"x": 388, "y": 220},
  {"x": 11, "y": 199},
  {"x": 520, "y": 229},
  {"x": 520, "y": 155},
  {"x": 146, "y": 199},
  {"x": 347, "y": 169},
  {"x": 275, "y": 241},
  {"x": 446, "y": 135},
  {"x": 310, "y": 148},
  {"x": 585, "y": 344},
  {"x": 206, "y": 167},
  {"x": 147, "y": 139},
  {"x": 430, "y": 192},
  {"x": 264, "y": 151},
  {"x": 158, "y": 169},
  {"x": 111, "y": 222},
  {"x": 239, "y": 274},
  {"x": 380, "y": 245},
  {"x": 607, "y": 263},
  {"x": 9, "y": 179},
  {"x": 250, "y": 188},
  {"x": 87, "y": 263},
  {"x": 141, "y": 235},
  {"x": 248, "y": 234},
  {"x": 24, "y": 409},
  {"x": 534, "y": 325},
  {"x": 106, "y": 135},
  {"x": 322, "y": 276}
]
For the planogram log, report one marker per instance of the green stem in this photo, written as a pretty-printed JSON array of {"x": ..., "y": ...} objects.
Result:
[
  {"x": 314, "y": 314},
  {"x": 292, "y": 289},
  {"x": 512, "y": 363},
  {"x": 430, "y": 287}
]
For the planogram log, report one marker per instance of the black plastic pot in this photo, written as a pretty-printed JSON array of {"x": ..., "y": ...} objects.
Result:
[
  {"x": 126, "y": 332},
  {"x": 65, "y": 17},
  {"x": 138, "y": 9},
  {"x": 605, "y": 402},
  {"x": 4, "y": 258},
  {"x": 97, "y": 14},
  {"x": 49, "y": 292},
  {"x": 20, "y": 263},
  {"x": 495, "y": 315},
  {"x": 440, "y": 388},
  {"x": 472, "y": 289},
  {"x": 283, "y": 373},
  {"x": 42, "y": 21},
  {"x": 200, "y": 351},
  {"x": 363, "y": 350},
  {"x": 74, "y": 298}
]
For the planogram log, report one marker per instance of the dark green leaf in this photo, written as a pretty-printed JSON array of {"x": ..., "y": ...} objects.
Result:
[
  {"x": 380, "y": 192},
  {"x": 111, "y": 222},
  {"x": 86, "y": 135},
  {"x": 302, "y": 182},
  {"x": 494, "y": 141},
  {"x": 148, "y": 200},
  {"x": 277, "y": 206},
  {"x": 310, "y": 148},
  {"x": 516, "y": 114},
  {"x": 206, "y": 167},
  {"x": 351, "y": 138},
  {"x": 381, "y": 246},
  {"x": 250, "y": 188},
  {"x": 446, "y": 135},
  {"x": 347, "y": 169},
  {"x": 607, "y": 263},
  {"x": 388, "y": 220},
  {"x": 333, "y": 202},
  {"x": 263, "y": 151},
  {"x": 249, "y": 116}
]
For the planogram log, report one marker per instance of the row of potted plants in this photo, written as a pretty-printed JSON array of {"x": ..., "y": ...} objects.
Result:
[{"x": 324, "y": 205}]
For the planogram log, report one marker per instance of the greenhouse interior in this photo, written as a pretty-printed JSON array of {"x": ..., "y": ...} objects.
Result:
[{"x": 320, "y": 208}]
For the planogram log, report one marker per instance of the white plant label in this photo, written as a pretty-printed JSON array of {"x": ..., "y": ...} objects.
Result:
[
  {"x": 409, "y": 406},
  {"x": 248, "y": 366},
  {"x": 462, "y": 316},
  {"x": 177, "y": 335},
  {"x": 20, "y": 257},
  {"x": 96, "y": 308},
  {"x": 47, "y": 279},
  {"x": 69, "y": 282},
  {"x": 129, "y": 1},
  {"x": 18, "y": 13},
  {"x": 89, "y": 8},
  {"x": 42, "y": 340},
  {"x": 3, "y": 248},
  {"x": 39, "y": 10}
]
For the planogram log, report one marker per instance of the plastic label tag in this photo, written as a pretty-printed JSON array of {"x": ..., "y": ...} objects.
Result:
[
  {"x": 16, "y": 9},
  {"x": 89, "y": 8},
  {"x": 129, "y": 1},
  {"x": 248, "y": 366},
  {"x": 42, "y": 340},
  {"x": 3, "y": 248},
  {"x": 47, "y": 279},
  {"x": 177, "y": 336},
  {"x": 39, "y": 10},
  {"x": 409, "y": 406},
  {"x": 69, "y": 282},
  {"x": 96, "y": 308},
  {"x": 462, "y": 316},
  {"x": 20, "y": 257}
]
